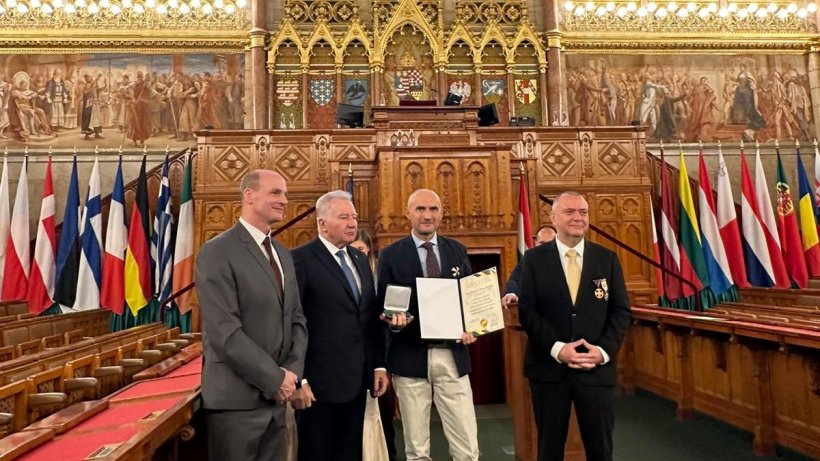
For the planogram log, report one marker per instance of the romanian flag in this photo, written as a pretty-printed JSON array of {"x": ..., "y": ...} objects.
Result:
[
  {"x": 788, "y": 229},
  {"x": 808, "y": 223},
  {"x": 137, "y": 254}
]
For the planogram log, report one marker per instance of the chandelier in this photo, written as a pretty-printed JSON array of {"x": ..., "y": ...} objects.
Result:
[
  {"x": 103, "y": 14},
  {"x": 689, "y": 17}
]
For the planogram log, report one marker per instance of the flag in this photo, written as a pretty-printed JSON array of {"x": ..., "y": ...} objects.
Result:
[
  {"x": 674, "y": 260},
  {"x": 524, "y": 227},
  {"x": 41, "y": 282},
  {"x": 89, "y": 278},
  {"x": 68, "y": 252},
  {"x": 788, "y": 228},
  {"x": 656, "y": 252},
  {"x": 717, "y": 263},
  {"x": 808, "y": 219},
  {"x": 764, "y": 261},
  {"x": 18, "y": 248},
  {"x": 184, "y": 250},
  {"x": 689, "y": 229},
  {"x": 137, "y": 257},
  {"x": 817, "y": 178},
  {"x": 727, "y": 221},
  {"x": 5, "y": 216},
  {"x": 161, "y": 238},
  {"x": 112, "y": 295}
]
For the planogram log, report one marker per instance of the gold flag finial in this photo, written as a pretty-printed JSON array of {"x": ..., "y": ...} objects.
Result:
[
  {"x": 350, "y": 169},
  {"x": 25, "y": 151},
  {"x": 741, "y": 143},
  {"x": 720, "y": 146},
  {"x": 661, "y": 143},
  {"x": 521, "y": 168},
  {"x": 815, "y": 142},
  {"x": 680, "y": 146},
  {"x": 700, "y": 144},
  {"x": 167, "y": 149},
  {"x": 75, "y": 151},
  {"x": 49, "y": 151},
  {"x": 757, "y": 144},
  {"x": 6, "y": 151},
  {"x": 144, "y": 150},
  {"x": 777, "y": 143},
  {"x": 96, "y": 150},
  {"x": 797, "y": 143}
]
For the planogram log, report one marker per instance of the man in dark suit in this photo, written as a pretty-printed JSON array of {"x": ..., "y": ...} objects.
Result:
[
  {"x": 254, "y": 333},
  {"x": 575, "y": 325},
  {"x": 345, "y": 355},
  {"x": 426, "y": 371},
  {"x": 545, "y": 233}
]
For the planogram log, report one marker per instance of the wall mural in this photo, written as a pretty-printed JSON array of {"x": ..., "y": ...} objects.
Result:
[
  {"x": 692, "y": 97},
  {"x": 110, "y": 100}
]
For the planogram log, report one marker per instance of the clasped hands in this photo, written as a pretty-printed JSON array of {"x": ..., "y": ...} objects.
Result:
[
  {"x": 588, "y": 360},
  {"x": 287, "y": 388}
]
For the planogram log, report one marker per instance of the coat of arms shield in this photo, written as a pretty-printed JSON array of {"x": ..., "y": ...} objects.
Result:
[
  {"x": 525, "y": 90},
  {"x": 321, "y": 91}
]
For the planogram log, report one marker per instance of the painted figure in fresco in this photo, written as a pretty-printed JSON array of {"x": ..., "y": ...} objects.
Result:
[
  {"x": 389, "y": 94},
  {"x": 648, "y": 109},
  {"x": 799, "y": 103},
  {"x": 235, "y": 93},
  {"x": 57, "y": 96},
  {"x": 744, "y": 103},
  {"x": 5, "y": 95},
  {"x": 667, "y": 125},
  {"x": 90, "y": 108},
  {"x": 208, "y": 101},
  {"x": 121, "y": 102},
  {"x": 781, "y": 119},
  {"x": 104, "y": 97},
  {"x": 25, "y": 117},
  {"x": 187, "y": 95},
  {"x": 702, "y": 119},
  {"x": 138, "y": 121},
  {"x": 70, "y": 81}
]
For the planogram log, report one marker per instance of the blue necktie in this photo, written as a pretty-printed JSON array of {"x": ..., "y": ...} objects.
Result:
[{"x": 348, "y": 274}]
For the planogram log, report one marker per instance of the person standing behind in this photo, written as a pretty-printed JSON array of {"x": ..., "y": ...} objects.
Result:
[
  {"x": 387, "y": 402},
  {"x": 254, "y": 332},
  {"x": 575, "y": 326},
  {"x": 345, "y": 356},
  {"x": 425, "y": 371},
  {"x": 546, "y": 233}
]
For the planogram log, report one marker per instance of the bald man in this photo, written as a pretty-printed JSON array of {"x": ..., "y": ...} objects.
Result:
[
  {"x": 546, "y": 233},
  {"x": 425, "y": 371}
]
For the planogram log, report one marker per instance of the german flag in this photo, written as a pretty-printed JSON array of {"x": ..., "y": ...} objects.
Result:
[{"x": 137, "y": 258}]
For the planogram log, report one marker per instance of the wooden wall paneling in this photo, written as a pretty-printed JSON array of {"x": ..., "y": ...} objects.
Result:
[{"x": 796, "y": 399}]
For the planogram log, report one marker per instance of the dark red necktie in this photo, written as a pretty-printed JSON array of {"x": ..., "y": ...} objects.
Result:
[
  {"x": 433, "y": 269},
  {"x": 276, "y": 272}
]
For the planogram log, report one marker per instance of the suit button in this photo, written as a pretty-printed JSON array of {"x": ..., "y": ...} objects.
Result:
[{"x": 574, "y": 315}]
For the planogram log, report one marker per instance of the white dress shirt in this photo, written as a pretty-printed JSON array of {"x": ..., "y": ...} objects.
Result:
[{"x": 333, "y": 250}]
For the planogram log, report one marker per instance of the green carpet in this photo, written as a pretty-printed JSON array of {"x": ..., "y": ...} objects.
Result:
[{"x": 645, "y": 429}]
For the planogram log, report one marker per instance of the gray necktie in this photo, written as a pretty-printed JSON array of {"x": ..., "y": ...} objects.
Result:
[
  {"x": 351, "y": 280},
  {"x": 433, "y": 269}
]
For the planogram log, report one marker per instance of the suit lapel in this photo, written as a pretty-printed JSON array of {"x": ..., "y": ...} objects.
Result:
[
  {"x": 585, "y": 286},
  {"x": 256, "y": 253},
  {"x": 446, "y": 258},
  {"x": 411, "y": 253},
  {"x": 332, "y": 264}
]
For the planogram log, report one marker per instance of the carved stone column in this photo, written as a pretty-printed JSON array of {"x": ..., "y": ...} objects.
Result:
[
  {"x": 814, "y": 83},
  {"x": 259, "y": 76},
  {"x": 340, "y": 92},
  {"x": 511, "y": 88},
  {"x": 305, "y": 94},
  {"x": 376, "y": 78},
  {"x": 555, "y": 68}
]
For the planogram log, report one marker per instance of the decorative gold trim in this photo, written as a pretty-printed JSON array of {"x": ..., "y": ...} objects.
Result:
[
  {"x": 103, "y": 41},
  {"x": 667, "y": 44}
]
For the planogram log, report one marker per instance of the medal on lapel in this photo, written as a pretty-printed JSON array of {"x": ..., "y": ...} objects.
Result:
[
  {"x": 456, "y": 271},
  {"x": 601, "y": 289}
]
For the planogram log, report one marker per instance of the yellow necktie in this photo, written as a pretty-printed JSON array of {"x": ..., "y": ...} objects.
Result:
[{"x": 573, "y": 274}]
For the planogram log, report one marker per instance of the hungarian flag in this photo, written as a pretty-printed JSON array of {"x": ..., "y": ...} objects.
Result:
[
  {"x": 112, "y": 295},
  {"x": 68, "y": 252},
  {"x": 789, "y": 230},
  {"x": 689, "y": 229},
  {"x": 41, "y": 283},
  {"x": 674, "y": 260},
  {"x": 524, "y": 227},
  {"x": 808, "y": 223},
  {"x": 137, "y": 254},
  {"x": 18, "y": 247},
  {"x": 717, "y": 263},
  {"x": 5, "y": 216},
  {"x": 89, "y": 278},
  {"x": 727, "y": 221},
  {"x": 184, "y": 250}
]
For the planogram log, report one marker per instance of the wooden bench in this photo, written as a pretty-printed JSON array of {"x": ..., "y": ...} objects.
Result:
[{"x": 93, "y": 323}]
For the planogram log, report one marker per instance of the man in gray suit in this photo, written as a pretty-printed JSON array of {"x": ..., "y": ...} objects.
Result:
[{"x": 254, "y": 332}]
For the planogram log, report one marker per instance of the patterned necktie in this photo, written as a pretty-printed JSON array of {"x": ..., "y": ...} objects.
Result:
[
  {"x": 351, "y": 280},
  {"x": 433, "y": 269},
  {"x": 573, "y": 273},
  {"x": 276, "y": 271}
]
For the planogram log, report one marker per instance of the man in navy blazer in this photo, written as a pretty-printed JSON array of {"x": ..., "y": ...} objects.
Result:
[
  {"x": 425, "y": 371},
  {"x": 574, "y": 307},
  {"x": 545, "y": 233},
  {"x": 345, "y": 354}
]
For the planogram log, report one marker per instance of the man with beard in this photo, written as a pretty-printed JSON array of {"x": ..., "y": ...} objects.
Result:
[
  {"x": 138, "y": 122},
  {"x": 90, "y": 109}
]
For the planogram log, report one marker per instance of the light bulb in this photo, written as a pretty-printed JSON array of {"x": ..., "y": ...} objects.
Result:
[
  {"x": 621, "y": 12},
  {"x": 22, "y": 8},
  {"x": 579, "y": 11},
  {"x": 802, "y": 13},
  {"x": 568, "y": 6},
  {"x": 792, "y": 8},
  {"x": 162, "y": 9},
  {"x": 70, "y": 9},
  {"x": 2, "y": 10},
  {"x": 683, "y": 12},
  {"x": 105, "y": 4},
  {"x": 723, "y": 13},
  {"x": 46, "y": 9},
  {"x": 600, "y": 11},
  {"x": 752, "y": 7},
  {"x": 761, "y": 13},
  {"x": 661, "y": 12},
  {"x": 691, "y": 6},
  {"x": 184, "y": 8},
  {"x": 139, "y": 9},
  {"x": 11, "y": 4},
  {"x": 703, "y": 13},
  {"x": 631, "y": 6},
  {"x": 93, "y": 8},
  {"x": 641, "y": 12},
  {"x": 651, "y": 7},
  {"x": 241, "y": 3},
  {"x": 742, "y": 14},
  {"x": 771, "y": 8},
  {"x": 811, "y": 7},
  {"x": 207, "y": 9},
  {"x": 115, "y": 9},
  {"x": 589, "y": 6},
  {"x": 610, "y": 6},
  {"x": 219, "y": 4},
  {"x": 672, "y": 7},
  {"x": 732, "y": 7}
]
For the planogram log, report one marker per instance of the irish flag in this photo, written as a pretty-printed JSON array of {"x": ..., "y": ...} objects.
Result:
[{"x": 184, "y": 250}]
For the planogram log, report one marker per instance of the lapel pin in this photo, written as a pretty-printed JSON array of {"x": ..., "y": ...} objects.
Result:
[{"x": 456, "y": 271}]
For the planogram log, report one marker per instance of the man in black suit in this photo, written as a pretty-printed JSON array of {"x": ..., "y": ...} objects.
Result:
[
  {"x": 545, "y": 233},
  {"x": 575, "y": 325},
  {"x": 426, "y": 371},
  {"x": 345, "y": 355},
  {"x": 254, "y": 335}
]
